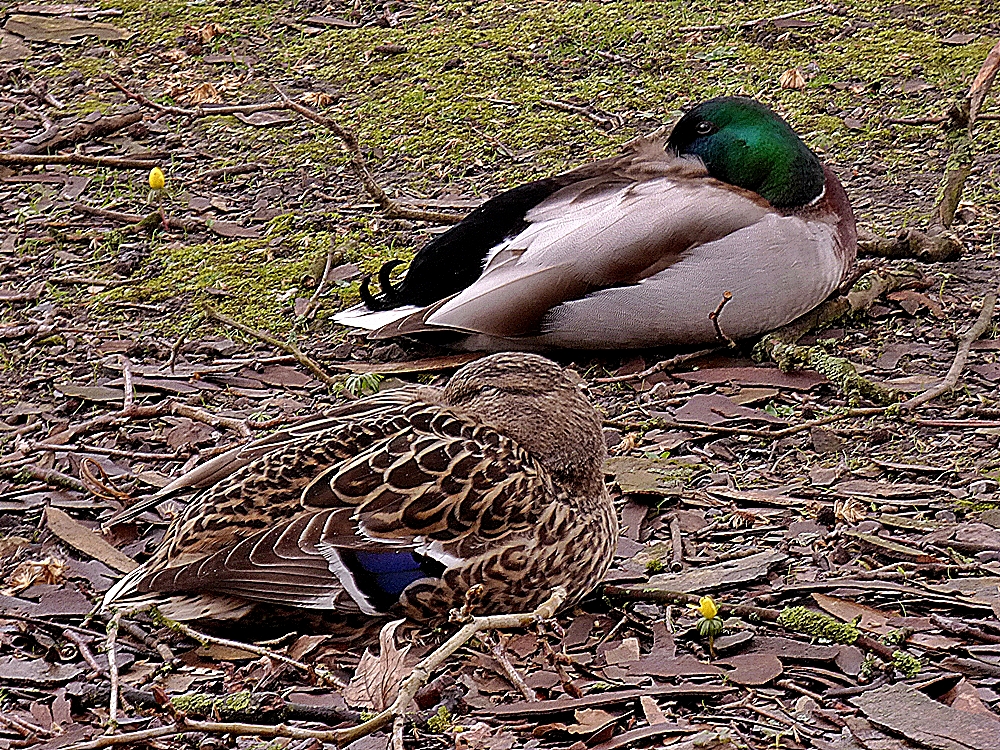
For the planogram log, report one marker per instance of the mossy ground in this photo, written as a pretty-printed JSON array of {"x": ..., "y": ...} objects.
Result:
[{"x": 459, "y": 112}]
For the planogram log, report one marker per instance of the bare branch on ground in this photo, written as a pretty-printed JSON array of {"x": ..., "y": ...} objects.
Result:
[
  {"x": 961, "y": 356},
  {"x": 343, "y": 737},
  {"x": 289, "y": 348}
]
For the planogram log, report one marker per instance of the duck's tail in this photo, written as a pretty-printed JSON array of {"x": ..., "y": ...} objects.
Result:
[
  {"x": 360, "y": 316},
  {"x": 123, "y": 596}
]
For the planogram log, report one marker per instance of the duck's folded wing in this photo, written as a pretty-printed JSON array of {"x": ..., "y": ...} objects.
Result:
[
  {"x": 409, "y": 508},
  {"x": 602, "y": 232},
  {"x": 224, "y": 465}
]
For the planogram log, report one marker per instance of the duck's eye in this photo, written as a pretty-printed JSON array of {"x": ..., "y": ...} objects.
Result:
[{"x": 705, "y": 128}]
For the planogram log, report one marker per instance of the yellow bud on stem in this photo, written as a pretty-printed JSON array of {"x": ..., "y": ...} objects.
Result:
[
  {"x": 707, "y": 608},
  {"x": 156, "y": 179}
]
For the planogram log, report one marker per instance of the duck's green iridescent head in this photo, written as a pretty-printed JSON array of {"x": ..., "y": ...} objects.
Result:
[{"x": 744, "y": 143}]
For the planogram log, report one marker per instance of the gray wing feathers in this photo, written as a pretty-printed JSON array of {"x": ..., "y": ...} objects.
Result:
[
  {"x": 591, "y": 236},
  {"x": 797, "y": 256}
]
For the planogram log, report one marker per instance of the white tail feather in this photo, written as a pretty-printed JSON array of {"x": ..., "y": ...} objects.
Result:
[{"x": 360, "y": 316}]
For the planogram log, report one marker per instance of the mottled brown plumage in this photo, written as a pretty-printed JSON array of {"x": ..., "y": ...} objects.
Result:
[{"x": 398, "y": 504}]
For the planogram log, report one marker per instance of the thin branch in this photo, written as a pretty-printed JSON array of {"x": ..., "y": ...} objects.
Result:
[
  {"x": 288, "y": 348},
  {"x": 148, "y": 222},
  {"x": 768, "y": 434},
  {"x": 117, "y": 162},
  {"x": 358, "y": 162},
  {"x": 128, "y": 383},
  {"x": 360, "y": 167},
  {"x": 961, "y": 356},
  {"x": 343, "y": 737},
  {"x": 499, "y": 651},
  {"x": 605, "y": 122},
  {"x": 48, "y": 476},
  {"x": 239, "y": 426},
  {"x": 714, "y": 317},
  {"x": 84, "y": 649},
  {"x": 23, "y": 727},
  {"x": 398, "y": 725},
  {"x": 934, "y": 120},
  {"x": 676, "y": 545},
  {"x": 664, "y": 596},
  {"x": 331, "y": 254},
  {"x": 113, "y": 671},
  {"x": 661, "y": 366},
  {"x": 754, "y": 22},
  {"x": 203, "y": 638},
  {"x": 200, "y": 111}
]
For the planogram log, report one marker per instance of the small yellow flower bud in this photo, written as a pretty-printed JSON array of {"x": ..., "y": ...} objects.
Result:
[
  {"x": 707, "y": 608},
  {"x": 156, "y": 179}
]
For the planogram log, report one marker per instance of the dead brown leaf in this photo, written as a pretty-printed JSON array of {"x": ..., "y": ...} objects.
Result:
[
  {"x": 202, "y": 93},
  {"x": 792, "y": 79},
  {"x": 377, "y": 678},
  {"x": 867, "y": 618},
  {"x": 47, "y": 570},
  {"x": 62, "y": 30},
  {"x": 84, "y": 540},
  {"x": 753, "y": 669},
  {"x": 912, "y": 301},
  {"x": 10, "y": 546},
  {"x": 205, "y": 33},
  {"x": 317, "y": 98}
]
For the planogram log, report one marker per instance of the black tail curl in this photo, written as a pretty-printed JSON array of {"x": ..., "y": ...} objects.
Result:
[{"x": 389, "y": 296}]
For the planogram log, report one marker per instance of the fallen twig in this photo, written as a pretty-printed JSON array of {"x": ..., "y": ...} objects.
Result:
[
  {"x": 962, "y": 120},
  {"x": 661, "y": 366},
  {"x": 85, "y": 130},
  {"x": 206, "y": 110},
  {"x": 113, "y": 671},
  {"x": 23, "y": 727},
  {"x": 48, "y": 476},
  {"x": 935, "y": 120},
  {"x": 769, "y": 434},
  {"x": 84, "y": 649},
  {"x": 676, "y": 545},
  {"x": 117, "y": 162},
  {"x": 754, "y": 22},
  {"x": 961, "y": 356},
  {"x": 331, "y": 254},
  {"x": 203, "y": 638},
  {"x": 289, "y": 348},
  {"x": 605, "y": 122},
  {"x": 927, "y": 247},
  {"x": 774, "y": 616},
  {"x": 960, "y": 628},
  {"x": 780, "y": 346},
  {"x": 343, "y": 737},
  {"x": 239, "y": 426},
  {"x": 168, "y": 407},
  {"x": 236, "y": 169},
  {"x": 499, "y": 651},
  {"x": 32, "y": 447},
  {"x": 149, "y": 222},
  {"x": 360, "y": 167},
  {"x": 358, "y": 162}
]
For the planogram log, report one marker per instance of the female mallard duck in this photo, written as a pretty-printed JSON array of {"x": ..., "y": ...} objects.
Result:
[
  {"x": 637, "y": 250},
  {"x": 399, "y": 504}
]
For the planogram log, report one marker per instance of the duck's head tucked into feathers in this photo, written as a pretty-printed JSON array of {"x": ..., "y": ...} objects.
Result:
[
  {"x": 541, "y": 406},
  {"x": 744, "y": 143}
]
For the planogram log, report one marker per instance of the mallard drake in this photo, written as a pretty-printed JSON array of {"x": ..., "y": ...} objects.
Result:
[
  {"x": 637, "y": 250},
  {"x": 398, "y": 505}
]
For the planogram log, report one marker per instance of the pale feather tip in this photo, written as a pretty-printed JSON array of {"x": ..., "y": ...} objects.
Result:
[{"x": 360, "y": 316}]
